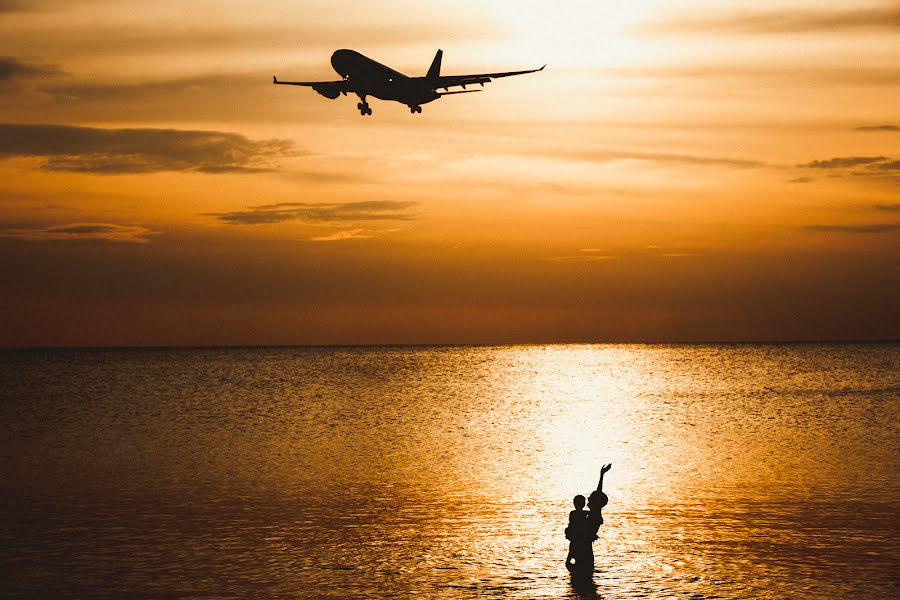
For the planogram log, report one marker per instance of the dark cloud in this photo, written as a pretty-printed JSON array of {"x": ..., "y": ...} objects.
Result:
[
  {"x": 870, "y": 168},
  {"x": 125, "y": 151},
  {"x": 10, "y": 6},
  {"x": 888, "y": 207},
  {"x": 786, "y": 21},
  {"x": 103, "y": 232},
  {"x": 320, "y": 212},
  {"x": 843, "y": 162},
  {"x": 13, "y": 6},
  {"x": 879, "y": 128},
  {"x": 863, "y": 229},
  {"x": 12, "y": 68},
  {"x": 801, "y": 180},
  {"x": 894, "y": 165}
]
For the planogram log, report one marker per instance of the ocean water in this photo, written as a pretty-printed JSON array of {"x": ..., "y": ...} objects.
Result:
[{"x": 739, "y": 471}]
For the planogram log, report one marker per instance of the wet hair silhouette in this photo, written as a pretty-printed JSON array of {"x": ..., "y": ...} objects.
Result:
[{"x": 597, "y": 500}]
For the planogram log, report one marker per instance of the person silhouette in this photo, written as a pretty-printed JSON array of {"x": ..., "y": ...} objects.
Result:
[
  {"x": 583, "y": 527},
  {"x": 576, "y": 531}
]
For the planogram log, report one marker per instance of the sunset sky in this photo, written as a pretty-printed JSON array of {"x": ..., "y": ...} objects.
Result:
[{"x": 681, "y": 171}]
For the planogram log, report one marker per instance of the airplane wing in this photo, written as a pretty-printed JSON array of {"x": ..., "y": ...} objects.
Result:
[
  {"x": 447, "y": 81},
  {"x": 329, "y": 89}
]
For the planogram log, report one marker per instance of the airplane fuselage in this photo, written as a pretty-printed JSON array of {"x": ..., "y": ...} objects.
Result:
[
  {"x": 364, "y": 77},
  {"x": 367, "y": 76}
]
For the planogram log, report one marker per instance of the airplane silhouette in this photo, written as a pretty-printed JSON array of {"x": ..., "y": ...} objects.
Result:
[{"x": 365, "y": 77}]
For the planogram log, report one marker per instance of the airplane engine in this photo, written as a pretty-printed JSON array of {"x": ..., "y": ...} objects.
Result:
[{"x": 331, "y": 94}]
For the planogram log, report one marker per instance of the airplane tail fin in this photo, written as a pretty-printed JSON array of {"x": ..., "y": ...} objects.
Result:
[{"x": 434, "y": 71}]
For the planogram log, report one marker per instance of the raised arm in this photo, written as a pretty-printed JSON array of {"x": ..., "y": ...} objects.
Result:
[{"x": 603, "y": 471}]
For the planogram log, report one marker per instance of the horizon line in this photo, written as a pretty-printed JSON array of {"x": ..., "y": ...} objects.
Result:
[{"x": 455, "y": 344}]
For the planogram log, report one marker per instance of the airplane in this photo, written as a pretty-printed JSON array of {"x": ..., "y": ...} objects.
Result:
[{"x": 365, "y": 77}]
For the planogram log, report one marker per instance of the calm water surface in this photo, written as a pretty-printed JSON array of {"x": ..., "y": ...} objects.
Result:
[{"x": 746, "y": 471}]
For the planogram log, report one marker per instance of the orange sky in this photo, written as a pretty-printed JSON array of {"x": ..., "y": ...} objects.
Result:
[{"x": 679, "y": 172}]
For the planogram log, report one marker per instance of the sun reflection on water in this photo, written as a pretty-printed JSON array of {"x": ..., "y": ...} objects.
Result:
[{"x": 448, "y": 472}]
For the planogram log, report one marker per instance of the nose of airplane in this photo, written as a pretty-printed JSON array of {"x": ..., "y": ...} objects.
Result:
[{"x": 341, "y": 61}]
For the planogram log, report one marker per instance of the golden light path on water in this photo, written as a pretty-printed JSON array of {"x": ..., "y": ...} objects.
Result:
[{"x": 738, "y": 471}]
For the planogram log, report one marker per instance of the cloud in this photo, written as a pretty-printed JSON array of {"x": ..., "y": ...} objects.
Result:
[
  {"x": 349, "y": 234},
  {"x": 872, "y": 168},
  {"x": 337, "y": 27},
  {"x": 785, "y": 21},
  {"x": 124, "y": 92},
  {"x": 662, "y": 157},
  {"x": 801, "y": 180},
  {"x": 844, "y": 162},
  {"x": 862, "y": 229},
  {"x": 888, "y": 207},
  {"x": 13, "y": 6},
  {"x": 383, "y": 210},
  {"x": 878, "y": 128},
  {"x": 106, "y": 232},
  {"x": 12, "y": 68},
  {"x": 769, "y": 75},
  {"x": 129, "y": 151},
  {"x": 10, "y": 6},
  {"x": 586, "y": 255},
  {"x": 580, "y": 258},
  {"x": 227, "y": 96},
  {"x": 692, "y": 159}
]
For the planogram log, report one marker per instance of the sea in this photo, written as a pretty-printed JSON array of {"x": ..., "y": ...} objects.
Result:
[{"x": 738, "y": 471}]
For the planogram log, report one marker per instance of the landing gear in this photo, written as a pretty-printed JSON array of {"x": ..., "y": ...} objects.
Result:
[
  {"x": 415, "y": 109},
  {"x": 364, "y": 108}
]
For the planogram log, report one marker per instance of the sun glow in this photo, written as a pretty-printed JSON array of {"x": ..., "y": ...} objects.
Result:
[{"x": 578, "y": 34}]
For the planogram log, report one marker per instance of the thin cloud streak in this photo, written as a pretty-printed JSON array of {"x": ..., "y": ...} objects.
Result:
[
  {"x": 102, "y": 232},
  {"x": 9, "y": 6},
  {"x": 878, "y": 128},
  {"x": 318, "y": 38},
  {"x": 857, "y": 229},
  {"x": 786, "y": 21},
  {"x": 580, "y": 258},
  {"x": 133, "y": 151},
  {"x": 13, "y": 68},
  {"x": 872, "y": 168},
  {"x": 351, "y": 234},
  {"x": 374, "y": 210},
  {"x": 843, "y": 162},
  {"x": 602, "y": 156},
  {"x": 783, "y": 75},
  {"x": 123, "y": 92}
]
